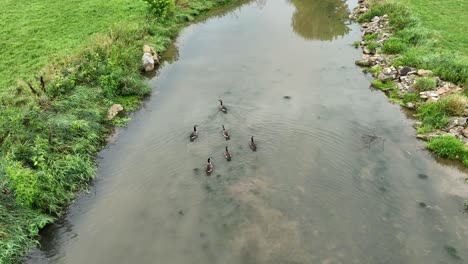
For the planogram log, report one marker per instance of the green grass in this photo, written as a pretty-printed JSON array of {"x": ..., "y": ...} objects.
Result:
[
  {"x": 425, "y": 84},
  {"x": 411, "y": 98},
  {"x": 434, "y": 115},
  {"x": 31, "y": 32},
  {"x": 49, "y": 135},
  {"x": 373, "y": 45},
  {"x": 394, "y": 46},
  {"x": 448, "y": 147},
  {"x": 375, "y": 69},
  {"x": 383, "y": 85},
  {"x": 356, "y": 44},
  {"x": 428, "y": 34},
  {"x": 425, "y": 129},
  {"x": 448, "y": 19},
  {"x": 370, "y": 37}
]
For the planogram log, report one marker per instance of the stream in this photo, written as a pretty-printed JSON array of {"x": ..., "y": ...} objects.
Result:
[{"x": 338, "y": 177}]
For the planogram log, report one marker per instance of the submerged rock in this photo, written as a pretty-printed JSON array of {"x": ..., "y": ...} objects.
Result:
[{"x": 363, "y": 63}]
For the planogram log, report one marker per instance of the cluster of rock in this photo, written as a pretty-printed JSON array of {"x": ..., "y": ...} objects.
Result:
[
  {"x": 150, "y": 58},
  {"x": 403, "y": 77}
]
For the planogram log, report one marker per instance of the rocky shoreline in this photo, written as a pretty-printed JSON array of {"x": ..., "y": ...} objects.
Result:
[{"x": 403, "y": 80}]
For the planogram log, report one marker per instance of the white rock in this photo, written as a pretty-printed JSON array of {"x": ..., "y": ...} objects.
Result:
[
  {"x": 113, "y": 111},
  {"x": 148, "y": 62}
]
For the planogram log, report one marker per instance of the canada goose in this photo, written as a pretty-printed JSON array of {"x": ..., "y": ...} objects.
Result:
[
  {"x": 226, "y": 133},
  {"x": 252, "y": 144},
  {"x": 227, "y": 154},
  {"x": 194, "y": 134},
  {"x": 209, "y": 166},
  {"x": 222, "y": 108}
]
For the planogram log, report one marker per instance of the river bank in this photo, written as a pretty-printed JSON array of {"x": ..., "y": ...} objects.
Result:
[
  {"x": 53, "y": 124},
  {"x": 414, "y": 70}
]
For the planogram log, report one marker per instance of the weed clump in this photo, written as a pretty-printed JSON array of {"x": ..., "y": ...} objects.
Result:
[
  {"x": 447, "y": 147},
  {"x": 425, "y": 84},
  {"x": 434, "y": 114},
  {"x": 394, "y": 46},
  {"x": 383, "y": 85},
  {"x": 454, "y": 104}
]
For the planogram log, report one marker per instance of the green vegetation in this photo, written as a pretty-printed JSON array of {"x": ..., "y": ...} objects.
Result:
[
  {"x": 427, "y": 37},
  {"x": 383, "y": 85},
  {"x": 34, "y": 31},
  {"x": 370, "y": 37},
  {"x": 448, "y": 147},
  {"x": 411, "y": 98},
  {"x": 356, "y": 44},
  {"x": 425, "y": 129},
  {"x": 51, "y": 128},
  {"x": 394, "y": 46},
  {"x": 436, "y": 115},
  {"x": 373, "y": 45},
  {"x": 433, "y": 115},
  {"x": 375, "y": 69},
  {"x": 161, "y": 8},
  {"x": 425, "y": 84}
]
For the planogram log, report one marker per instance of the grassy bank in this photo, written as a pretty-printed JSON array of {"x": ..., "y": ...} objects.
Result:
[
  {"x": 429, "y": 35},
  {"x": 50, "y": 131}
]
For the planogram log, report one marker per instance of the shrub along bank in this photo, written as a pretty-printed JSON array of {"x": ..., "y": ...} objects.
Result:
[
  {"x": 53, "y": 124},
  {"x": 419, "y": 57}
]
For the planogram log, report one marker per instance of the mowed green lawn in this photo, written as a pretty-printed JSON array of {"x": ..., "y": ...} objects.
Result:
[
  {"x": 32, "y": 32},
  {"x": 449, "y": 18}
]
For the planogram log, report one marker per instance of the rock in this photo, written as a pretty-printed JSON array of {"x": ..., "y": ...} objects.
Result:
[
  {"x": 375, "y": 19},
  {"x": 456, "y": 131},
  {"x": 366, "y": 50},
  {"x": 462, "y": 121},
  {"x": 452, "y": 123},
  {"x": 387, "y": 71},
  {"x": 404, "y": 71},
  {"x": 465, "y": 132},
  {"x": 424, "y": 73},
  {"x": 418, "y": 124},
  {"x": 363, "y": 63},
  {"x": 410, "y": 105},
  {"x": 434, "y": 95},
  {"x": 443, "y": 90},
  {"x": 148, "y": 62},
  {"x": 427, "y": 137},
  {"x": 113, "y": 111},
  {"x": 147, "y": 49},
  {"x": 384, "y": 77}
]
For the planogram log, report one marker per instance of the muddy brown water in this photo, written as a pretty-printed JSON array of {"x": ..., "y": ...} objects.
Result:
[{"x": 338, "y": 176}]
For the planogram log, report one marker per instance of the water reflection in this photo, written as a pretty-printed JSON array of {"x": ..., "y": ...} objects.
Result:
[{"x": 320, "y": 19}]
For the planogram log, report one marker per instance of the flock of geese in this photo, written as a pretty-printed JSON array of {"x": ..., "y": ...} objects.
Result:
[{"x": 209, "y": 167}]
